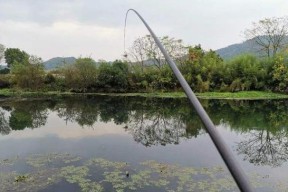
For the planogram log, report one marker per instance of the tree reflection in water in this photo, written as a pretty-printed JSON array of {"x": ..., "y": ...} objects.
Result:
[
  {"x": 264, "y": 132},
  {"x": 23, "y": 115},
  {"x": 156, "y": 130},
  {"x": 262, "y": 125},
  {"x": 265, "y": 148},
  {"x": 4, "y": 124}
]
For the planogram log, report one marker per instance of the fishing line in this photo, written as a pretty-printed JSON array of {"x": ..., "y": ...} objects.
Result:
[{"x": 125, "y": 54}]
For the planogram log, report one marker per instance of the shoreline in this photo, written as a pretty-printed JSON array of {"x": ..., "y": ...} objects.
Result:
[{"x": 242, "y": 95}]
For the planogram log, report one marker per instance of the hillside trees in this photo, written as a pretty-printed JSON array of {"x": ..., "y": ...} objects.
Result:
[{"x": 270, "y": 34}]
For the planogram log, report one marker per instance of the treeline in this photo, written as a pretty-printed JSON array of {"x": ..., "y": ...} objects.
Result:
[{"x": 203, "y": 70}]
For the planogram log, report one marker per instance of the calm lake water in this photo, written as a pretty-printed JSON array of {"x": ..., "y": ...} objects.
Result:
[{"x": 101, "y": 143}]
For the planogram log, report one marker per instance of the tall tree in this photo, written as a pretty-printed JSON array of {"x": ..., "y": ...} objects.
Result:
[
  {"x": 269, "y": 34},
  {"x": 137, "y": 52},
  {"x": 15, "y": 55},
  {"x": 30, "y": 74},
  {"x": 2, "y": 50},
  {"x": 81, "y": 75},
  {"x": 145, "y": 48},
  {"x": 86, "y": 72},
  {"x": 113, "y": 76}
]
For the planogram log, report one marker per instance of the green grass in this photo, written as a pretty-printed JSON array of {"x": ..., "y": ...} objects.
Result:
[
  {"x": 251, "y": 95},
  {"x": 26, "y": 94},
  {"x": 150, "y": 94},
  {"x": 245, "y": 95}
]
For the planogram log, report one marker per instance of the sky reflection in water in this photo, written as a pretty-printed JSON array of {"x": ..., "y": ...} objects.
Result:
[{"x": 133, "y": 130}]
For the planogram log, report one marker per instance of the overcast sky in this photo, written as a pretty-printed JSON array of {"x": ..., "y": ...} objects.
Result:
[{"x": 62, "y": 28}]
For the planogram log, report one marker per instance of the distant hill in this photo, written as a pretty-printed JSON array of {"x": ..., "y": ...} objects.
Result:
[
  {"x": 238, "y": 49},
  {"x": 248, "y": 46},
  {"x": 58, "y": 62}
]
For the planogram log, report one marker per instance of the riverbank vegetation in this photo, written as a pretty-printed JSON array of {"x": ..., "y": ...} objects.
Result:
[
  {"x": 204, "y": 72},
  {"x": 144, "y": 70}
]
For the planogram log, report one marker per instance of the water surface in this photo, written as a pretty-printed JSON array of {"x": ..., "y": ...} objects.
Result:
[{"x": 138, "y": 144}]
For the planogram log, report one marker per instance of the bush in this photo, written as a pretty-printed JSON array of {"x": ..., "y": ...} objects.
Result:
[
  {"x": 81, "y": 76},
  {"x": 29, "y": 75},
  {"x": 4, "y": 71},
  {"x": 113, "y": 76},
  {"x": 4, "y": 81}
]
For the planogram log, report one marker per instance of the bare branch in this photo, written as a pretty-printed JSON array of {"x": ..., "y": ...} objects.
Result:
[
  {"x": 144, "y": 50},
  {"x": 269, "y": 34}
]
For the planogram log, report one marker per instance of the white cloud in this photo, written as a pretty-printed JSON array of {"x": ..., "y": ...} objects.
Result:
[
  {"x": 62, "y": 39},
  {"x": 73, "y": 27}
]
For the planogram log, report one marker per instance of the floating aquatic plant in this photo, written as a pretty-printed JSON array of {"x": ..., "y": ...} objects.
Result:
[
  {"x": 106, "y": 164},
  {"x": 8, "y": 162},
  {"x": 21, "y": 178},
  {"x": 40, "y": 160},
  {"x": 79, "y": 175},
  {"x": 32, "y": 181},
  {"x": 98, "y": 174}
]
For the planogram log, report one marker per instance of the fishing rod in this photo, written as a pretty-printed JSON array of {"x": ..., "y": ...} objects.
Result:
[{"x": 234, "y": 167}]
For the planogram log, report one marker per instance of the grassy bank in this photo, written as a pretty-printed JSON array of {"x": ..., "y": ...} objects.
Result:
[
  {"x": 248, "y": 95},
  {"x": 245, "y": 95}
]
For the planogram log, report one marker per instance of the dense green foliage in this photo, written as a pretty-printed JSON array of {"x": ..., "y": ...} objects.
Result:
[
  {"x": 81, "y": 75},
  {"x": 14, "y": 56},
  {"x": 113, "y": 76},
  {"x": 29, "y": 74}
]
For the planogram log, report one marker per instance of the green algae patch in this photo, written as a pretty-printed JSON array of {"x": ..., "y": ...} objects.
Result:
[
  {"x": 78, "y": 175},
  {"x": 8, "y": 162},
  {"x": 99, "y": 174},
  {"x": 189, "y": 178},
  {"x": 22, "y": 178},
  {"x": 32, "y": 181},
  {"x": 105, "y": 164},
  {"x": 41, "y": 160}
]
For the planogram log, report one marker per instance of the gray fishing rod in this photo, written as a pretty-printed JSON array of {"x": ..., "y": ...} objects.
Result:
[{"x": 234, "y": 167}]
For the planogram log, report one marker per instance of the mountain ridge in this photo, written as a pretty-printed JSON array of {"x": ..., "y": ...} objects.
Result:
[
  {"x": 56, "y": 62},
  {"x": 246, "y": 47}
]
